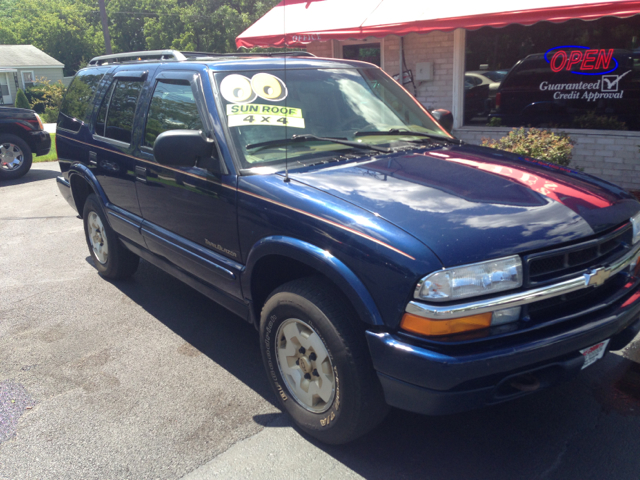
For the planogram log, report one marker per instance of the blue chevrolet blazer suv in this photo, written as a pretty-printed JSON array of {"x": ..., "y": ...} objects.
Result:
[{"x": 383, "y": 261}]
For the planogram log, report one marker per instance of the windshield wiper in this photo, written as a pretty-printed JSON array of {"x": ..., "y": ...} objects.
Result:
[
  {"x": 397, "y": 131},
  {"x": 309, "y": 137}
]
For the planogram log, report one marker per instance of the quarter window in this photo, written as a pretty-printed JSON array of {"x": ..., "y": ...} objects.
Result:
[
  {"x": 173, "y": 107},
  {"x": 76, "y": 106}
]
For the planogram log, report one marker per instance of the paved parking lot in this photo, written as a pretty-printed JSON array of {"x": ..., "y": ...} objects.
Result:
[{"x": 149, "y": 379}]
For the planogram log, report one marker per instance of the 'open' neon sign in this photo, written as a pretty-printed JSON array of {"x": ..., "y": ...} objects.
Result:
[{"x": 586, "y": 60}]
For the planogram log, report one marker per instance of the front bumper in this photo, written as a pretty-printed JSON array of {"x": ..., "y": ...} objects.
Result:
[
  {"x": 41, "y": 142},
  {"x": 424, "y": 380}
]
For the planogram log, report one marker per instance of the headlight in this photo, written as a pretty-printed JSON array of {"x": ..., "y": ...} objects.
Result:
[
  {"x": 472, "y": 280},
  {"x": 635, "y": 221}
]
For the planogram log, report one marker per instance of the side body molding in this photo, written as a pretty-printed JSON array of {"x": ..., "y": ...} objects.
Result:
[{"x": 322, "y": 261}]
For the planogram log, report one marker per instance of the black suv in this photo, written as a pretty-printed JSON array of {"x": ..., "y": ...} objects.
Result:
[
  {"x": 383, "y": 262},
  {"x": 21, "y": 137}
]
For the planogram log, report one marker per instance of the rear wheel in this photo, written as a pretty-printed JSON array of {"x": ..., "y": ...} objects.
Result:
[
  {"x": 15, "y": 157},
  {"x": 112, "y": 259},
  {"x": 318, "y": 362}
]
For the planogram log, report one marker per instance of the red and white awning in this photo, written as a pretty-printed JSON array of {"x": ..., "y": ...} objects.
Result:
[{"x": 298, "y": 22}]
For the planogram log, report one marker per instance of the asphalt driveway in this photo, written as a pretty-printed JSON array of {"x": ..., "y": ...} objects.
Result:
[{"x": 148, "y": 379}]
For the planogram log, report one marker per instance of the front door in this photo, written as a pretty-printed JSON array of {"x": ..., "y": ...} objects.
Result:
[
  {"x": 5, "y": 95},
  {"x": 189, "y": 213}
]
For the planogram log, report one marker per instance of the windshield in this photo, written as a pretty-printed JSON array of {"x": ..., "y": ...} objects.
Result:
[
  {"x": 496, "y": 76},
  {"x": 264, "y": 109}
]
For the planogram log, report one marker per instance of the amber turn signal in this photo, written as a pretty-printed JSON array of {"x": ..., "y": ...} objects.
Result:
[{"x": 427, "y": 326}]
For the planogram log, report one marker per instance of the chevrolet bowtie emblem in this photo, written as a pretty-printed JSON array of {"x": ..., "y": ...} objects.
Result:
[{"x": 596, "y": 277}]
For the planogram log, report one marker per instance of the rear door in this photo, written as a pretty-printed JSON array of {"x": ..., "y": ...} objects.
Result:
[
  {"x": 113, "y": 147},
  {"x": 189, "y": 212}
]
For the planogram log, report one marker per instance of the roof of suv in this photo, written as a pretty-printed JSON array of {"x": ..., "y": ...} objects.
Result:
[{"x": 227, "y": 61}]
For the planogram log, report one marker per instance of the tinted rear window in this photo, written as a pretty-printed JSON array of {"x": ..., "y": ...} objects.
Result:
[
  {"x": 118, "y": 109},
  {"x": 76, "y": 107}
]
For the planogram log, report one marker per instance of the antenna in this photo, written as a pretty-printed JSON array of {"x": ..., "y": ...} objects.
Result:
[{"x": 286, "y": 126}]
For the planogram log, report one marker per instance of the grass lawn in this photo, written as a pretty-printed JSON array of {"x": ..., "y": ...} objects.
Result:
[{"x": 52, "y": 156}]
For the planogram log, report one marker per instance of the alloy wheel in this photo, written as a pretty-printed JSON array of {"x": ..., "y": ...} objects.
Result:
[
  {"x": 305, "y": 365},
  {"x": 11, "y": 157},
  {"x": 98, "y": 238}
]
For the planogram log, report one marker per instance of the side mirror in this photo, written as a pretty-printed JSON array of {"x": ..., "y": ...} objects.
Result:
[
  {"x": 444, "y": 118},
  {"x": 184, "y": 148}
]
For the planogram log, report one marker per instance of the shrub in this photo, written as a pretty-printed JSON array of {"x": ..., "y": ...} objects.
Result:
[
  {"x": 599, "y": 122},
  {"x": 542, "y": 144},
  {"x": 50, "y": 115},
  {"x": 45, "y": 95},
  {"x": 21, "y": 100}
]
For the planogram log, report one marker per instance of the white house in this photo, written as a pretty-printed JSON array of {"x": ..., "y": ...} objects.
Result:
[{"x": 20, "y": 65}]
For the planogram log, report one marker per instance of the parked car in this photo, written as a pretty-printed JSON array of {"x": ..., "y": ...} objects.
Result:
[
  {"x": 535, "y": 94},
  {"x": 492, "y": 78},
  {"x": 382, "y": 261},
  {"x": 21, "y": 137}
]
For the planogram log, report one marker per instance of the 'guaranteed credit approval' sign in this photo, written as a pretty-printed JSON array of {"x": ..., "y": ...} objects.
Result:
[
  {"x": 258, "y": 114},
  {"x": 586, "y": 64}
]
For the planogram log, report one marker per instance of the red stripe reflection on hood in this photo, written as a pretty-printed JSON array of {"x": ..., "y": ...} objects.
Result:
[{"x": 553, "y": 187}]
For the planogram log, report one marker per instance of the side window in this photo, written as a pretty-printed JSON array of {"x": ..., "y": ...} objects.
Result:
[
  {"x": 76, "y": 106},
  {"x": 122, "y": 107},
  {"x": 102, "y": 113},
  {"x": 173, "y": 107}
]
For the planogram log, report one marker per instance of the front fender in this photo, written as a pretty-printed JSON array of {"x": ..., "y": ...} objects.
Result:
[{"x": 320, "y": 260}]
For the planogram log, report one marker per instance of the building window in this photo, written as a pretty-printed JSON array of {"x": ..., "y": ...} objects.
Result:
[
  {"x": 575, "y": 74},
  {"x": 28, "y": 79},
  {"x": 5, "y": 96},
  {"x": 369, "y": 52}
]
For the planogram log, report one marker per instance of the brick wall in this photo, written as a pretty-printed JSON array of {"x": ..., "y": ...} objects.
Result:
[
  {"x": 321, "y": 49},
  {"x": 611, "y": 155},
  {"x": 436, "y": 47}
]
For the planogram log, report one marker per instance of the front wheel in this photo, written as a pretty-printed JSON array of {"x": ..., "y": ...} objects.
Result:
[
  {"x": 318, "y": 362},
  {"x": 112, "y": 259},
  {"x": 15, "y": 157}
]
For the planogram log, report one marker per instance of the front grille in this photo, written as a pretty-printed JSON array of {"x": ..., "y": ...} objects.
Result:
[
  {"x": 551, "y": 266},
  {"x": 575, "y": 302}
]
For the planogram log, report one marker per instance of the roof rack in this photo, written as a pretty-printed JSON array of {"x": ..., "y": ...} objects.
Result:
[
  {"x": 170, "y": 55},
  {"x": 176, "y": 56},
  {"x": 288, "y": 53}
]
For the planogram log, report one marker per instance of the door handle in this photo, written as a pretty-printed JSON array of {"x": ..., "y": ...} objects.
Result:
[{"x": 141, "y": 174}]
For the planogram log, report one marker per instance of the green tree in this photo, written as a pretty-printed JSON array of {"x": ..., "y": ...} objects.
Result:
[
  {"x": 21, "y": 100},
  {"x": 68, "y": 30},
  {"x": 212, "y": 26}
]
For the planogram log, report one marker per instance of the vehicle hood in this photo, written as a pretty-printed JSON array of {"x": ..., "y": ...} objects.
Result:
[{"x": 469, "y": 203}]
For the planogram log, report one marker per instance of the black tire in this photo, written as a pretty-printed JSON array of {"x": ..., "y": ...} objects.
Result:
[
  {"x": 15, "y": 144},
  {"x": 357, "y": 405},
  {"x": 118, "y": 262}
]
